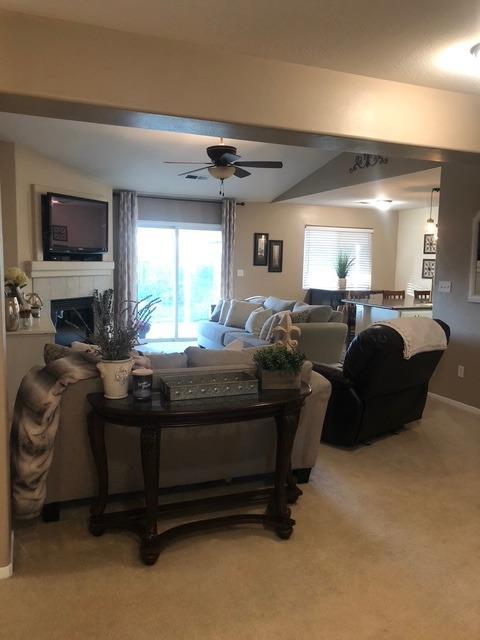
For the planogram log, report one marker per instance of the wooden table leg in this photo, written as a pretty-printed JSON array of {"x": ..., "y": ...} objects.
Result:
[
  {"x": 150, "y": 449},
  {"x": 96, "y": 433},
  {"x": 286, "y": 429}
]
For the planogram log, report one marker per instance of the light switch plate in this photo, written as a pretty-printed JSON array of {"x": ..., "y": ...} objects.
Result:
[
  {"x": 240, "y": 273},
  {"x": 444, "y": 286}
]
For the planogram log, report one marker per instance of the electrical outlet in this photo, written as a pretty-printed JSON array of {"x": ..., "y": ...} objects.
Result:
[
  {"x": 460, "y": 371},
  {"x": 240, "y": 273},
  {"x": 444, "y": 286}
]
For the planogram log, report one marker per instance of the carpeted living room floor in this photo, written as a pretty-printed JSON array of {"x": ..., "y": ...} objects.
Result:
[{"x": 387, "y": 547}]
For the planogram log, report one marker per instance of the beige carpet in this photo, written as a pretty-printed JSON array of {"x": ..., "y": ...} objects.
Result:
[{"x": 387, "y": 547}]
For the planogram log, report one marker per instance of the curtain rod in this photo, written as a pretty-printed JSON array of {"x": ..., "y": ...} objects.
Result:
[{"x": 159, "y": 197}]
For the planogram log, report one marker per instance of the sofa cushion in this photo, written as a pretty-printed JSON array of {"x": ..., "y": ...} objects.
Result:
[
  {"x": 215, "y": 331},
  {"x": 267, "y": 330},
  {"x": 168, "y": 360},
  {"x": 257, "y": 319},
  {"x": 318, "y": 312},
  {"x": 215, "y": 316},
  {"x": 207, "y": 357},
  {"x": 239, "y": 312},
  {"x": 224, "y": 311},
  {"x": 278, "y": 304},
  {"x": 300, "y": 316}
]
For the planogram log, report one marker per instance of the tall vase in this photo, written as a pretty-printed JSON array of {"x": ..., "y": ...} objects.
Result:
[
  {"x": 12, "y": 314},
  {"x": 115, "y": 375},
  {"x": 342, "y": 283}
]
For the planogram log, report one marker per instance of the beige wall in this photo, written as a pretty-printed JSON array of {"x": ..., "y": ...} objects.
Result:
[
  {"x": 408, "y": 268},
  {"x": 287, "y": 222},
  {"x": 34, "y": 169},
  {"x": 459, "y": 203},
  {"x": 9, "y": 203},
  {"x": 84, "y": 64}
]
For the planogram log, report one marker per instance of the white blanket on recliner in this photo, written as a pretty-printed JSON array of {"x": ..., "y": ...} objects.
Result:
[{"x": 419, "y": 334}]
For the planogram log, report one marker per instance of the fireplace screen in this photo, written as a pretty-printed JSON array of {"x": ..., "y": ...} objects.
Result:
[{"x": 72, "y": 318}]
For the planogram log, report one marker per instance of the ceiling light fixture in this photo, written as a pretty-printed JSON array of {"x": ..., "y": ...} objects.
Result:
[
  {"x": 221, "y": 173},
  {"x": 431, "y": 224},
  {"x": 475, "y": 51},
  {"x": 382, "y": 205}
]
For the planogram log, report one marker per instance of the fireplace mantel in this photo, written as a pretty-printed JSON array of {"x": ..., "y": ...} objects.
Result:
[{"x": 46, "y": 269}]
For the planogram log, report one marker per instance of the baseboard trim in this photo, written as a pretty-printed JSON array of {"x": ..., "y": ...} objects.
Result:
[
  {"x": 7, "y": 572},
  {"x": 455, "y": 403}
]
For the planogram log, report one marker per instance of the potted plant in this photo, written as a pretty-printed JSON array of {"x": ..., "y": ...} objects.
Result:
[
  {"x": 279, "y": 367},
  {"x": 143, "y": 328},
  {"x": 14, "y": 280},
  {"x": 343, "y": 264},
  {"x": 116, "y": 336}
]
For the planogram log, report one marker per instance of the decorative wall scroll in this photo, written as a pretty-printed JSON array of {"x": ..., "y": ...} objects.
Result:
[{"x": 366, "y": 160}]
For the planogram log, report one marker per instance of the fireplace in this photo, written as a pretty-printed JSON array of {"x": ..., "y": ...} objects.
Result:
[{"x": 72, "y": 319}]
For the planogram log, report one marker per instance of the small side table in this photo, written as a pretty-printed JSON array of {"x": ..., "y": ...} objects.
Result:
[{"x": 153, "y": 416}]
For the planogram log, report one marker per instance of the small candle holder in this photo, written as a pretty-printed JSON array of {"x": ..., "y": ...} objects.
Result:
[{"x": 142, "y": 384}]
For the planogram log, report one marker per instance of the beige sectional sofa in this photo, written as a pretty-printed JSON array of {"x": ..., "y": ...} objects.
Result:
[
  {"x": 322, "y": 337},
  {"x": 188, "y": 455}
]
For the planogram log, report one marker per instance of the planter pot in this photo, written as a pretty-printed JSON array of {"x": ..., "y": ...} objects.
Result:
[
  {"x": 115, "y": 375},
  {"x": 342, "y": 283},
  {"x": 12, "y": 314},
  {"x": 279, "y": 379}
]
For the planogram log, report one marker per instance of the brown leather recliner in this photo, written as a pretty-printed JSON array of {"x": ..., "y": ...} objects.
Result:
[{"x": 378, "y": 390}]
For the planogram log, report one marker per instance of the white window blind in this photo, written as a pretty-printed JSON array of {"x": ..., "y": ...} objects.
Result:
[{"x": 321, "y": 247}]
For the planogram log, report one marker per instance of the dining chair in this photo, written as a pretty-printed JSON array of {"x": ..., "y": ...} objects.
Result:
[
  {"x": 394, "y": 295},
  {"x": 422, "y": 296}
]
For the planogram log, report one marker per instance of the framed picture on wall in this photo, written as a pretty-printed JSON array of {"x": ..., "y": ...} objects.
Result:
[
  {"x": 429, "y": 243},
  {"x": 428, "y": 268},
  {"x": 275, "y": 256},
  {"x": 260, "y": 249}
]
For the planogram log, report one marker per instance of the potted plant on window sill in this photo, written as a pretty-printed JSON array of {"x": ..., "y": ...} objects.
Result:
[
  {"x": 279, "y": 367},
  {"x": 116, "y": 337},
  {"x": 343, "y": 264}
]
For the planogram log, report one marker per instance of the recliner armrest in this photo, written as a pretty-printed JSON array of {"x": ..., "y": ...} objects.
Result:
[{"x": 334, "y": 375}]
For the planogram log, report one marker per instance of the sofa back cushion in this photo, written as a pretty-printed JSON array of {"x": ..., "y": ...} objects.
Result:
[
  {"x": 257, "y": 319},
  {"x": 215, "y": 315},
  {"x": 257, "y": 299},
  {"x": 197, "y": 357},
  {"x": 317, "y": 312},
  {"x": 224, "y": 311},
  {"x": 278, "y": 304},
  {"x": 239, "y": 312},
  {"x": 168, "y": 360}
]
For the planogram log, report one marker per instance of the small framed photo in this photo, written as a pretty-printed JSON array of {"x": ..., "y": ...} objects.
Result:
[
  {"x": 429, "y": 243},
  {"x": 275, "y": 256},
  {"x": 59, "y": 233},
  {"x": 428, "y": 268},
  {"x": 260, "y": 249}
]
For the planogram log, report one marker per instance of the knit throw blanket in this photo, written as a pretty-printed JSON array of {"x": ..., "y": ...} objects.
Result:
[
  {"x": 35, "y": 423},
  {"x": 419, "y": 335}
]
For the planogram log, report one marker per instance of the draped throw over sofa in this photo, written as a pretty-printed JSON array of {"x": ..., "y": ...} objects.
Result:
[
  {"x": 378, "y": 390},
  {"x": 189, "y": 455},
  {"x": 252, "y": 321}
]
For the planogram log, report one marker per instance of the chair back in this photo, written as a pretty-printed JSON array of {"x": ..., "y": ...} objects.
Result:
[
  {"x": 394, "y": 295},
  {"x": 422, "y": 296}
]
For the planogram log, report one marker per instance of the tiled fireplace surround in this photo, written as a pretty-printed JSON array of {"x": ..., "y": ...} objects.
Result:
[{"x": 53, "y": 288}]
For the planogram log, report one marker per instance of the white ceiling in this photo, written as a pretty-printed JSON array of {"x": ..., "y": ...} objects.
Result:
[
  {"x": 409, "y": 191},
  {"x": 423, "y": 42},
  {"x": 131, "y": 158}
]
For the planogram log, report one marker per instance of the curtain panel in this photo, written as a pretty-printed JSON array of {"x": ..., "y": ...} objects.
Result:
[
  {"x": 228, "y": 244},
  {"x": 125, "y": 249}
]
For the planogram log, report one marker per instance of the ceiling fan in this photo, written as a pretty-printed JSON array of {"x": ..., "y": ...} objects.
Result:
[{"x": 225, "y": 163}]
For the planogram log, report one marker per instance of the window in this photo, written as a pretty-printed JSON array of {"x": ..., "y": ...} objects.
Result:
[
  {"x": 180, "y": 264},
  {"x": 321, "y": 247}
]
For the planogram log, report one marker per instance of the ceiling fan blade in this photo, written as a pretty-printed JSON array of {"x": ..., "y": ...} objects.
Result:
[
  {"x": 260, "y": 164},
  {"x": 228, "y": 158},
  {"x": 177, "y": 162},
  {"x": 241, "y": 173},
  {"x": 195, "y": 170}
]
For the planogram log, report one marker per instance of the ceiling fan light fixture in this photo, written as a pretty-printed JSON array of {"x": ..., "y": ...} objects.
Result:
[{"x": 221, "y": 173}]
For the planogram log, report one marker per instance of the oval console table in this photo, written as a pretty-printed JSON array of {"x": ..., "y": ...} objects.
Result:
[{"x": 158, "y": 414}]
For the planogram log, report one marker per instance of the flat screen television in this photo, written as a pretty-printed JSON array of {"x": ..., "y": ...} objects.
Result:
[{"x": 73, "y": 226}]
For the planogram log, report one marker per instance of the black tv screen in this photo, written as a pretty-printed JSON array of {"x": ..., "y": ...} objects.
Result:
[{"x": 76, "y": 225}]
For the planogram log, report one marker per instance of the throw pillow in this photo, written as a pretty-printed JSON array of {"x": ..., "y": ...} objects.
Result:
[
  {"x": 256, "y": 320},
  {"x": 266, "y": 332},
  {"x": 257, "y": 299},
  {"x": 278, "y": 304},
  {"x": 215, "y": 316},
  {"x": 318, "y": 312},
  {"x": 224, "y": 311},
  {"x": 300, "y": 316},
  {"x": 239, "y": 312}
]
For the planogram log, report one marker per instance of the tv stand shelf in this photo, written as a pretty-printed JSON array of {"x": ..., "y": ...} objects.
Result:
[{"x": 60, "y": 269}]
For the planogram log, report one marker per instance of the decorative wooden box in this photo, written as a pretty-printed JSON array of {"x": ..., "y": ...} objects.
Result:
[{"x": 207, "y": 385}]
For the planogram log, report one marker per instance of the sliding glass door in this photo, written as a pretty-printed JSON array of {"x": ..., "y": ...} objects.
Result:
[{"x": 181, "y": 265}]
